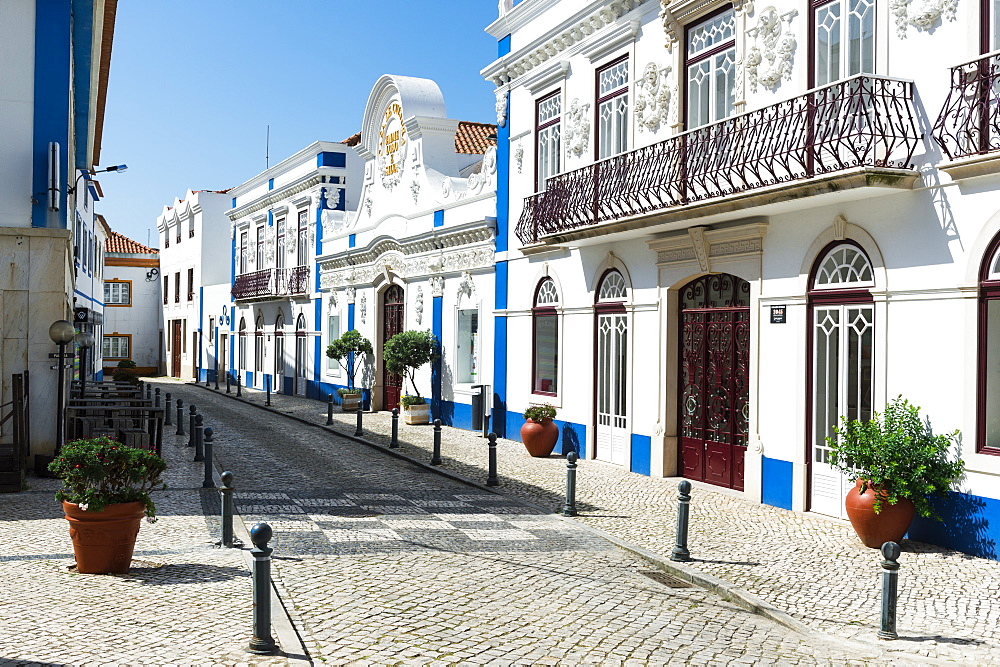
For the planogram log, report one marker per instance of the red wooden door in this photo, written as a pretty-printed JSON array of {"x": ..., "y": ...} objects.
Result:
[
  {"x": 392, "y": 324},
  {"x": 175, "y": 353},
  {"x": 714, "y": 383}
]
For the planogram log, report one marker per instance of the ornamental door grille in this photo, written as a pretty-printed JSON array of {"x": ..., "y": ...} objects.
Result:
[
  {"x": 301, "y": 343},
  {"x": 715, "y": 369},
  {"x": 392, "y": 324},
  {"x": 842, "y": 387},
  {"x": 612, "y": 387}
]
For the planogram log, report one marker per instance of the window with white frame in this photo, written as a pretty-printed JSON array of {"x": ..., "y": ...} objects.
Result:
[
  {"x": 260, "y": 248},
  {"x": 242, "y": 356},
  {"x": 467, "y": 346},
  {"x": 244, "y": 243},
  {"x": 279, "y": 252},
  {"x": 332, "y": 333},
  {"x": 545, "y": 325},
  {"x": 116, "y": 346},
  {"x": 117, "y": 293},
  {"x": 843, "y": 39},
  {"x": 612, "y": 109},
  {"x": 258, "y": 352},
  {"x": 548, "y": 138},
  {"x": 303, "y": 238},
  {"x": 711, "y": 68}
]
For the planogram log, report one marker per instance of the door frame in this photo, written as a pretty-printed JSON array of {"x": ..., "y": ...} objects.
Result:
[
  {"x": 603, "y": 308},
  {"x": 382, "y": 374}
]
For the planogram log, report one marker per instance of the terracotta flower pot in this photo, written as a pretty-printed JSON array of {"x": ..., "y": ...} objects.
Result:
[
  {"x": 539, "y": 438},
  {"x": 103, "y": 541},
  {"x": 889, "y": 525}
]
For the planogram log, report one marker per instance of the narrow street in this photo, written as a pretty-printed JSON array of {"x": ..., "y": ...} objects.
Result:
[{"x": 384, "y": 562}]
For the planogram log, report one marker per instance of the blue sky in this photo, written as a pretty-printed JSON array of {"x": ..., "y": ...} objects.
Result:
[{"x": 194, "y": 85}]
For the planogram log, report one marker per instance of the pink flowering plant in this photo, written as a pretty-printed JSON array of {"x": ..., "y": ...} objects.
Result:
[{"x": 97, "y": 472}]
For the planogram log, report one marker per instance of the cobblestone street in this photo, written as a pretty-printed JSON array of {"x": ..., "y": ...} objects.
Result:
[{"x": 383, "y": 561}]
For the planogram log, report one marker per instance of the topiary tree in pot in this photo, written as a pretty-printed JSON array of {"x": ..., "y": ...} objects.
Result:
[
  {"x": 898, "y": 465},
  {"x": 403, "y": 354},
  {"x": 346, "y": 350}
]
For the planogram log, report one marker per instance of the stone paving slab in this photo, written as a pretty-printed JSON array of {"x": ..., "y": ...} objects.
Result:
[
  {"x": 808, "y": 565},
  {"x": 183, "y": 602}
]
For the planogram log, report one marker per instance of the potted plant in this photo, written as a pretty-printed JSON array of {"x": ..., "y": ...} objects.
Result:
[
  {"x": 346, "y": 351},
  {"x": 539, "y": 433},
  {"x": 898, "y": 464},
  {"x": 403, "y": 354},
  {"x": 105, "y": 494},
  {"x": 125, "y": 373}
]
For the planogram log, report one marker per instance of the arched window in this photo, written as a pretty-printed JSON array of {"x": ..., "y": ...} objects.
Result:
[
  {"x": 988, "y": 384},
  {"x": 612, "y": 381},
  {"x": 545, "y": 329},
  {"x": 243, "y": 343},
  {"x": 612, "y": 288},
  {"x": 258, "y": 350},
  {"x": 842, "y": 333}
]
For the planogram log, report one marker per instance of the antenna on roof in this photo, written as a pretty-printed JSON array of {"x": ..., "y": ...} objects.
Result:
[{"x": 267, "y": 148}]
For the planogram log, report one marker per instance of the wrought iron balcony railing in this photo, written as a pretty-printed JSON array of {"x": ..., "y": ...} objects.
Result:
[
  {"x": 969, "y": 122},
  {"x": 268, "y": 283},
  {"x": 862, "y": 121}
]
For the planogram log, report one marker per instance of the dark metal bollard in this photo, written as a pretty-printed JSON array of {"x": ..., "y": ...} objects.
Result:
[
  {"x": 216, "y": 379},
  {"x": 358, "y": 431},
  {"x": 180, "y": 417},
  {"x": 207, "y": 441},
  {"x": 329, "y": 410},
  {"x": 267, "y": 388},
  {"x": 569, "y": 507},
  {"x": 491, "y": 478},
  {"x": 193, "y": 410},
  {"x": 198, "y": 436},
  {"x": 156, "y": 397},
  {"x": 228, "y": 389},
  {"x": 680, "y": 552},
  {"x": 239, "y": 385},
  {"x": 167, "y": 417},
  {"x": 262, "y": 643},
  {"x": 394, "y": 441},
  {"x": 436, "y": 456},
  {"x": 208, "y": 377},
  {"x": 149, "y": 392},
  {"x": 227, "y": 509},
  {"x": 890, "y": 579}
]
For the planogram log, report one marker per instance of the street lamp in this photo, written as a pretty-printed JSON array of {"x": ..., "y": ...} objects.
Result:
[
  {"x": 61, "y": 332},
  {"x": 84, "y": 341},
  {"x": 116, "y": 168}
]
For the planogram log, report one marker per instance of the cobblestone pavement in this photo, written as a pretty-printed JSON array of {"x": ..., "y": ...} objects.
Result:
[
  {"x": 810, "y": 566},
  {"x": 183, "y": 601},
  {"x": 381, "y": 561}
]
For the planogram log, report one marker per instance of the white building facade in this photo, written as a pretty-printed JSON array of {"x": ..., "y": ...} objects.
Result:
[
  {"x": 724, "y": 226},
  {"x": 273, "y": 325},
  {"x": 194, "y": 242},
  {"x": 133, "y": 314},
  {"x": 418, "y": 253}
]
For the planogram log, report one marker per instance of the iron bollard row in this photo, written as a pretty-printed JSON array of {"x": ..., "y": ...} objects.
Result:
[
  {"x": 198, "y": 437},
  {"x": 358, "y": 431},
  {"x": 167, "y": 417},
  {"x": 193, "y": 412},
  {"x": 394, "y": 441},
  {"x": 262, "y": 642},
  {"x": 491, "y": 478},
  {"x": 267, "y": 388},
  {"x": 208, "y": 441},
  {"x": 226, "y": 490},
  {"x": 329, "y": 410},
  {"x": 569, "y": 507},
  {"x": 228, "y": 390},
  {"x": 890, "y": 579},
  {"x": 239, "y": 385},
  {"x": 156, "y": 397},
  {"x": 436, "y": 456},
  {"x": 680, "y": 551},
  {"x": 180, "y": 417},
  {"x": 216, "y": 379}
]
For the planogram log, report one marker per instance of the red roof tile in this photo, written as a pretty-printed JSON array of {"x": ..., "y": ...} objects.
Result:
[
  {"x": 352, "y": 140},
  {"x": 474, "y": 137},
  {"x": 121, "y": 243}
]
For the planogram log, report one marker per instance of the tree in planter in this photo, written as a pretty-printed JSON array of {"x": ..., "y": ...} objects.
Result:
[
  {"x": 346, "y": 350},
  {"x": 407, "y": 351}
]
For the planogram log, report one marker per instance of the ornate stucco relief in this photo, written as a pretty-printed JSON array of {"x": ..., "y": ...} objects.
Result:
[
  {"x": 652, "y": 98},
  {"x": 437, "y": 286},
  {"x": 419, "y": 307},
  {"x": 363, "y": 308},
  {"x": 501, "y": 106},
  {"x": 519, "y": 157},
  {"x": 577, "y": 130},
  {"x": 921, "y": 14},
  {"x": 350, "y": 293},
  {"x": 769, "y": 61}
]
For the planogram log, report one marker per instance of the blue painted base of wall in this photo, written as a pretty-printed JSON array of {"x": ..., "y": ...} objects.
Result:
[
  {"x": 99, "y": 376},
  {"x": 971, "y": 525},
  {"x": 776, "y": 483},
  {"x": 641, "y": 452}
]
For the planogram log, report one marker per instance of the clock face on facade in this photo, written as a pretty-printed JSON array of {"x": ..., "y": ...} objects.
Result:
[{"x": 392, "y": 144}]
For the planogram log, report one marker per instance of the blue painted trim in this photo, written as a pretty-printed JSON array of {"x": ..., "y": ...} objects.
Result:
[
  {"x": 499, "y": 409},
  {"x": 503, "y": 182},
  {"x": 83, "y": 30},
  {"x": 99, "y": 375},
  {"x": 318, "y": 352},
  {"x": 88, "y": 298},
  {"x": 330, "y": 159},
  {"x": 201, "y": 326},
  {"x": 270, "y": 184},
  {"x": 971, "y": 525},
  {"x": 503, "y": 45},
  {"x": 234, "y": 202},
  {"x": 776, "y": 482},
  {"x": 232, "y": 266},
  {"x": 319, "y": 250},
  {"x": 350, "y": 316},
  {"x": 437, "y": 326},
  {"x": 270, "y": 218},
  {"x": 641, "y": 454},
  {"x": 50, "y": 119},
  {"x": 352, "y": 240},
  {"x": 439, "y": 218}
]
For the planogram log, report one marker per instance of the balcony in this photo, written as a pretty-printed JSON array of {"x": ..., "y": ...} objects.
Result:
[
  {"x": 968, "y": 127},
  {"x": 853, "y": 133},
  {"x": 271, "y": 283}
]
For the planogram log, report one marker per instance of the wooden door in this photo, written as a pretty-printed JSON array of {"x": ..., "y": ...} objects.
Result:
[
  {"x": 392, "y": 324},
  {"x": 714, "y": 382},
  {"x": 175, "y": 351}
]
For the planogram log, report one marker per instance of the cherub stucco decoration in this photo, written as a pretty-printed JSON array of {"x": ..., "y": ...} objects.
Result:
[
  {"x": 652, "y": 98},
  {"x": 578, "y": 127}
]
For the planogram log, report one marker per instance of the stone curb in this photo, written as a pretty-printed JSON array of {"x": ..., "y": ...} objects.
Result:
[{"x": 724, "y": 589}]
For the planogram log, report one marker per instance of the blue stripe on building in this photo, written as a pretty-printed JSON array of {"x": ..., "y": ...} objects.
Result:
[
  {"x": 50, "y": 118},
  {"x": 776, "y": 482},
  {"x": 437, "y": 326}
]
